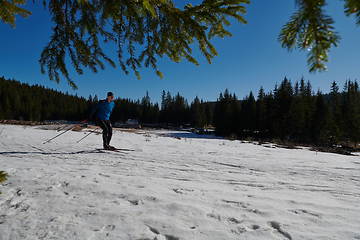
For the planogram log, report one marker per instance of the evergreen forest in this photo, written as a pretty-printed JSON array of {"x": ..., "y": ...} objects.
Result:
[{"x": 290, "y": 112}]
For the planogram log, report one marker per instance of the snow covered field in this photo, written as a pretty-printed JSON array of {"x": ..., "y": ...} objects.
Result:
[{"x": 172, "y": 187}]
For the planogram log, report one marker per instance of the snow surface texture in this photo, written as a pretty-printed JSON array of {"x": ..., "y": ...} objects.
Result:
[{"x": 176, "y": 187}]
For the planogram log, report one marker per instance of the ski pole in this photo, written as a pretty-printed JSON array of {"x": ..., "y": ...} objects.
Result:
[
  {"x": 88, "y": 134},
  {"x": 65, "y": 131}
]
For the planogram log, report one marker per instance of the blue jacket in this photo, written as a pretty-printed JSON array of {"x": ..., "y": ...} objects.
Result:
[{"x": 104, "y": 108}]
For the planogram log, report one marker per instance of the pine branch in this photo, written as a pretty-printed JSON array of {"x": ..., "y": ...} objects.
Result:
[
  {"x": 310, "y": 29},
  {"x": 352, "y": 7},
  {"x": 8, "y": 10},
  {"x": 156, "y": 27}
]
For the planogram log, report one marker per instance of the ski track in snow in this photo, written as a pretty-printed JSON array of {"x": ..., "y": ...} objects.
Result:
[{"x": 176, "y": 187}]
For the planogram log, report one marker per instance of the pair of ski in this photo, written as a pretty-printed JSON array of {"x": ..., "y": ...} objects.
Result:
[{"x": 119, "y": 150}]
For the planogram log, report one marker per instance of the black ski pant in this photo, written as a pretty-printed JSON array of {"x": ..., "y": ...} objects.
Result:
[{"x": 107, "y": 130}]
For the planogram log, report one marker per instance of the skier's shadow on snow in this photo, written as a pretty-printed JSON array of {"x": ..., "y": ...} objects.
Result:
[{"x": 50, "y": 153}]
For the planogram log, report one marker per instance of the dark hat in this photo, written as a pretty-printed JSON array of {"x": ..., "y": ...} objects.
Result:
[{"x": 110, "y": 94}]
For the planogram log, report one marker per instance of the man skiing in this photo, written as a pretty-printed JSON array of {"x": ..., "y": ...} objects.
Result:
[{"x": 102, "y": 119}]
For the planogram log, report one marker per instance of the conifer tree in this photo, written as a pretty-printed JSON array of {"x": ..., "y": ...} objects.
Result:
[
  {"x": 163, "y": 100},
  {"x": 197, "y": 114},
  {"x": 235, "y": 113},
  {"x": 149, "y": 112},
  {"x": 156, "y": 112},
  {"x": 351, "y": 110},
  {"x": 248, "y": 114},
  {"x": 15, "y": 104},
  {"x": 297, "y": 114},
  {"x": 179, "y": 110},
  {"x": 271, "y": 124},
  {"x": 1, "y": 113},
  {"x": 227, "y": 114},
  {"x": 308, "y": 102},
  {"x": 167, "y": 108},
  {"x": 284, "y": 99},
  {"x": 6, "y": 105},
  {"x": 145, "y": 109},
  {"x": 170, "y": 103},
  {"x": 96, "y": 99},
  {"x": 261, "y": 113},
  {"x": 321, "y": 120},
  {"x": 337, "y": 119},
  {"x": 209, "y": 115}
]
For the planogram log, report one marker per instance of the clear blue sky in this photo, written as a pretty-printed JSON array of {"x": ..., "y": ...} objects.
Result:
[{"x": 250, "y": 59}]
